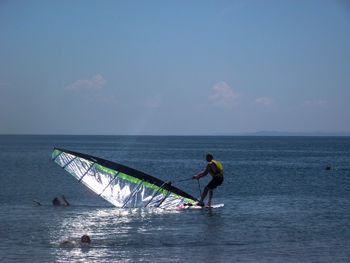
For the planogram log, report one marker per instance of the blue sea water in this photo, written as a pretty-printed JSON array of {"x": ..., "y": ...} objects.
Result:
[{"x": 281, "y": 205}]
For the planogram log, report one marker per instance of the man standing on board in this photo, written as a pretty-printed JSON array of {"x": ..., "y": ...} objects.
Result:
[{"x": 216, "y": 171}]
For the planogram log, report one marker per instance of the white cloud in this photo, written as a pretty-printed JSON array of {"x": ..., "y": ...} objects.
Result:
[
  {"x": 264, "y": 100},
  {"x": 95, "y": 83},
  {"x": 223, "y": 95}
]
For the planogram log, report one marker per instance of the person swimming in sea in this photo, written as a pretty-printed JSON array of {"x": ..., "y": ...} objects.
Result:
[
  {"x": 56, "y": 201},
  {"x": 84, "y": 240}
]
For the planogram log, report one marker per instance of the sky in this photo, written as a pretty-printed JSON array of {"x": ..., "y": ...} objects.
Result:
[{"x": 174, "y": 67}]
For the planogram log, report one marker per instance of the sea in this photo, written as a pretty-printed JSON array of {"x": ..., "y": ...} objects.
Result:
[{"x": 281, "y": 204}]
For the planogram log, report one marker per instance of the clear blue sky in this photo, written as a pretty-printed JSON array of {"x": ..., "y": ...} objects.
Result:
[{"x": 174, "y": 67}]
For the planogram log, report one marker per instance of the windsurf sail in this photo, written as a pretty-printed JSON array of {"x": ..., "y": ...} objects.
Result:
[{"x": 120, "y": 185}]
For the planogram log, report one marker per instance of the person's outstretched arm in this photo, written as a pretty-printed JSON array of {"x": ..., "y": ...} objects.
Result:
[
  {"x": 37, "y": 202},
  {"x": 201, "y": 174},
  {"x": 65, "y": 200}
]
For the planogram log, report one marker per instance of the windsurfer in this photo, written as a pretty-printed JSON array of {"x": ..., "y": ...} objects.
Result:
[{"x": 214, "y": 168}]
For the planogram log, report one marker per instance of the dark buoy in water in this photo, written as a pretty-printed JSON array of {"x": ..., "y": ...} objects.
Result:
[{"x": 328, "y": 167}]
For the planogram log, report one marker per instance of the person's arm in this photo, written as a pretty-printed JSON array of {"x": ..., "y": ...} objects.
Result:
[
  {"x": 65, "y": 200},
  {"x": 201, "y": 174},
  {"x": 37, "y": 202}
]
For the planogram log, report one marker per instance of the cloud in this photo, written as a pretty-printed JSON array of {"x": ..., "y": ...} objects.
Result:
[
  {"x": 264, "y": 101},
  {"x": 223, "y": 95},
  {"x": 95, "y": 83}
]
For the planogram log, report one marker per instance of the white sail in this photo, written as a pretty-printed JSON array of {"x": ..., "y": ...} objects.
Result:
[{"x": 120, "y": 185}]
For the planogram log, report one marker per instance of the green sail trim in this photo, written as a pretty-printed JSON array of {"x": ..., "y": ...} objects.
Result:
[
  {"x": 129, "y": 178},
  {"x": 105, "y": 169},
  {"x": 55, "y": 153}
]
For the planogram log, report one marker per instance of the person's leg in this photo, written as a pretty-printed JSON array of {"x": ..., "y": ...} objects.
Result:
[
  {"x": 203, "y": 195},
  {"x": 210, "y": 197}
]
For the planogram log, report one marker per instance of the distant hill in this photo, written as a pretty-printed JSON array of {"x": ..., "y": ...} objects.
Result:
[{"x": 281, "y": 133}]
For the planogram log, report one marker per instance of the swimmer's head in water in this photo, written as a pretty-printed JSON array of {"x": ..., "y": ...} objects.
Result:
[
  {"x": 85, "y": 239},
  {"x": 56, "y": 201}
]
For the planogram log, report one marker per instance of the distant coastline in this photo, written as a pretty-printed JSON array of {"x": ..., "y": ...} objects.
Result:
[
  {"x": 281, "y": 133},
  {"x": 259, "y": 133}
]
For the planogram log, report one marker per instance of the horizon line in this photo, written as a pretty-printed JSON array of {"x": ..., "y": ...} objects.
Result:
[{"x": 248, "y": 134}]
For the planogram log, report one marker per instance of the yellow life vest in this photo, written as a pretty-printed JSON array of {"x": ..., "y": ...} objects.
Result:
[{"x": 218, "y": 166}]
